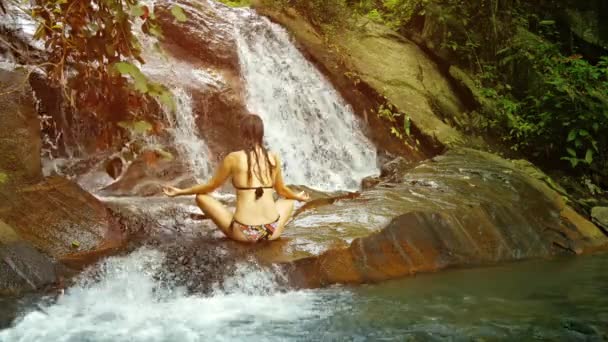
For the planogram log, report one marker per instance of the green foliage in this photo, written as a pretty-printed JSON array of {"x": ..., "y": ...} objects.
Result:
[
  {"x": 401, "y": 124},
  {"x": 136, "y": 127},
  {"x": 178, "y": 13},
  {"x": 90, "y": 47},
  {"x": 3, "y": 178},
  {"x": 236, "y": 3}
]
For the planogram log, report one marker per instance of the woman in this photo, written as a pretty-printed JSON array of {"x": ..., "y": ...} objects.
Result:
[{"x": 254, "y": 172}]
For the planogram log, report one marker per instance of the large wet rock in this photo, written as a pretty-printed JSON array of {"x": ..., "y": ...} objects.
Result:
[
  {"x": 207, "y": 34},
  {"x": 464, "y": 208},
  {"x": 19, "y": 129},
  {"x": 64, "y": 221},
  {"x": 146, "y": 175},
  {"x": 600, "y": 217},
  {"x": 390, "y": 65},
  {"x": 22, "y": 267}
]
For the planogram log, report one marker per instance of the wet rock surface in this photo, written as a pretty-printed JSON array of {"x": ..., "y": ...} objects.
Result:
[
  {"x": 600, "y": 217},
  {"x": 464, "y": 208},
  {"x": 22, "y": 267},
  {"x": 61, "y": 219},
  {"x": 20, "y": 134}
]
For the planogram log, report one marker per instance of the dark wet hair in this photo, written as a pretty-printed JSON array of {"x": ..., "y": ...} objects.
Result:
[{"x": 252, "y": 133}]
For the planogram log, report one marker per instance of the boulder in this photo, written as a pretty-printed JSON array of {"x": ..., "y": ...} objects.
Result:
[
  {"x": 20, "y": 130},
  {"x": 600, "y": 217},
  {"x": 464, "y": 208},
  {"x": 146, "y": 174},
  {"x": 22, "y": 267},
  {"x": 206, "y": 35},
  {"x": 60, "y": 219}
]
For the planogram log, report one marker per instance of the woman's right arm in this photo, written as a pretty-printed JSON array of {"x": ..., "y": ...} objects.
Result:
[{"x": 282, "y": 189}]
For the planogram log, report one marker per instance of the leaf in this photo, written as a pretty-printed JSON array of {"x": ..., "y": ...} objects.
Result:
[
  {"x": 164, "y": 154},
  {"x": 583, "y": 133},
  {"x": 75, "y": 244},
  {"x": 139, "y": 79},
  {"x": 589, "y": 156},
  {"x": 547, "y": 22},
  {"x": 571, "y": 152},
  {"x": 178, "y": 13},
  {"x": 407, "y": 125},
  {"x": 137, "y": 11},
  {"x": 166, "y": 98},
  {"x": 3, "y": 178},
  {"x": 138, "y": 127},
  {"x": 572, "y": 135}
]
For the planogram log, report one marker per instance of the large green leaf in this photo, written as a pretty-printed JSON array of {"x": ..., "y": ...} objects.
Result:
[
  {"x": 179, "y": 13},
  {"x": 589, "y": 156},
  {"x": 138, "y": 127},
  {"x": 139, "y": 79}
]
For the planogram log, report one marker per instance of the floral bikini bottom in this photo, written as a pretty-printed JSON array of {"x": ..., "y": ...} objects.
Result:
[{"x": 258, "y": 232}]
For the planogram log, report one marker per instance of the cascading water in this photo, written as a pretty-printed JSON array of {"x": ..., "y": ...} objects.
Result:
[
  {"x": 315, "y": 131},
  {"x": 184, "y": 131},
  {"x": 122, "y": 300}
]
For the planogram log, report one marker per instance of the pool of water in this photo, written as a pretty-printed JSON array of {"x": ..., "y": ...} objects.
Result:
[{"x": 122, "y": 300}]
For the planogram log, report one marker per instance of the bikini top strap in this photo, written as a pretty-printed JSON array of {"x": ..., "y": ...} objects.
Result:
[{"x": 253, "y": 188}]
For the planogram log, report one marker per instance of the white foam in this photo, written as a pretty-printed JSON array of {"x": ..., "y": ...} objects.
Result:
[{"x": 123, "y": 302}]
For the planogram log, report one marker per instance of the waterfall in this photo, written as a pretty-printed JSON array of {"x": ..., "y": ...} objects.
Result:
[
  {"x": 316, "y": 133},
  {"x": 185, "y": 134}
]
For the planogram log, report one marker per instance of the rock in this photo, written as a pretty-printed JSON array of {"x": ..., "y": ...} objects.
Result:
[
  {"x": 395, "y": 167},
  {"x": 600, "y": 217},
  {"x": 60, "y": 219},
  {"x": 114, "y": 167},
  {"x": 388, "y": 65},
  {"x": 390, "y": 172},
  {"x": 369, "y": 182},
  {"x": 206, "y": 34},
  {"x": 20, "y": 130},
  {"x": 464, "y": 208},
  {"x": 22, "y": 267},
  {"x": 145, "y": 176}
]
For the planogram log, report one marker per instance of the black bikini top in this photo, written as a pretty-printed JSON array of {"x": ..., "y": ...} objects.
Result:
[{"x": 259, "y": 191}]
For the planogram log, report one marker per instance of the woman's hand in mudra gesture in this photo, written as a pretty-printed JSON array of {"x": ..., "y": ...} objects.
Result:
[
  {"x": 303, "y": 196},
  {"x": 171, "y": 191}
]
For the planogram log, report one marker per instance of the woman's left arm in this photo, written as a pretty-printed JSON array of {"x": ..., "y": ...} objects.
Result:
[{"x": 222, "y": 173}]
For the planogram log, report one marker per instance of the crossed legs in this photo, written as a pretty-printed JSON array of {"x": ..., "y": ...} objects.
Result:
[{"x": 222, "y": 217}]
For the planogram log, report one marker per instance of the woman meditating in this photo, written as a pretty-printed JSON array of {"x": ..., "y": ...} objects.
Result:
[{"x": 254, "y": 172}]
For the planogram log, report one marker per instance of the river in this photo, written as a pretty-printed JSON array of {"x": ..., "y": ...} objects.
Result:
[{"x": 561, "y": 299}]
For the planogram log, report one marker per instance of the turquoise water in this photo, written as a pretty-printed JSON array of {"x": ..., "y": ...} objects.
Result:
[
  {"x": 557, "y": 300},
  {"x": 565, "y": 299}
]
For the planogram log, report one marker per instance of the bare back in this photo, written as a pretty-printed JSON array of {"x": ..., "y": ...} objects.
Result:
[{"x": 249, "y": 209}]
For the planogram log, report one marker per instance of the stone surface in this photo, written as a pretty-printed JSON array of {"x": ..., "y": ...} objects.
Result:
[
  {"x": 146, "y": 175},
  {"x": 390, "y": 65},
  {"x": 464, "y": 208},
  {"x": 206, "y": 34},
  {"x": 19, "y": 130},
  {"x": 22, "y": 267},
  {"x": 59, "y": 218},
  {"x": 600, "y": 217}
]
